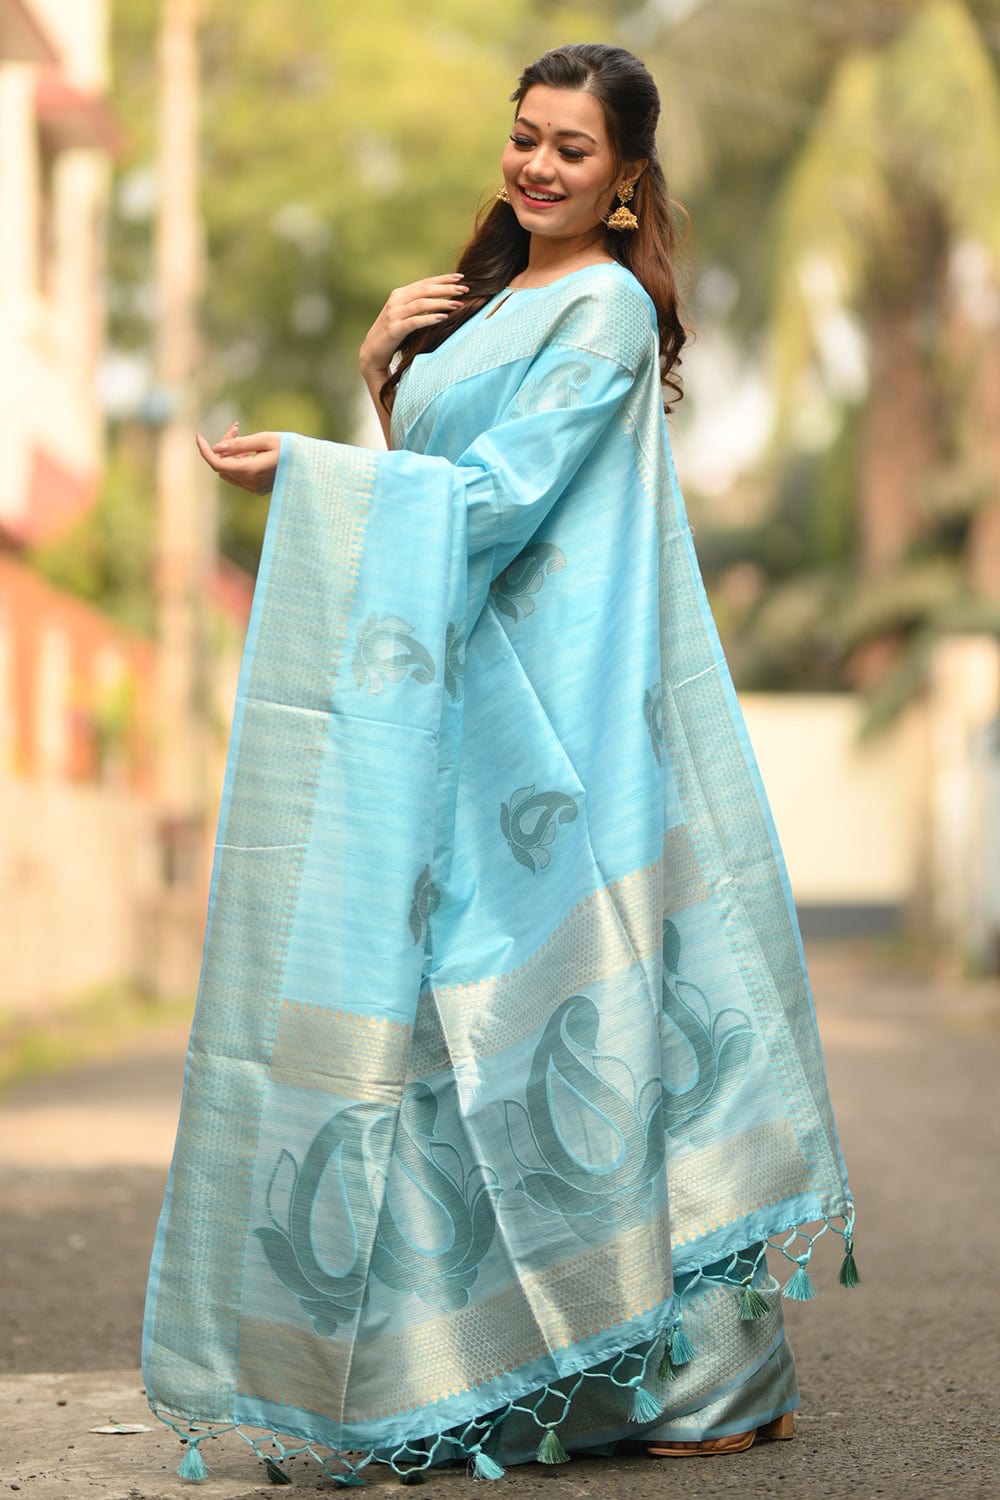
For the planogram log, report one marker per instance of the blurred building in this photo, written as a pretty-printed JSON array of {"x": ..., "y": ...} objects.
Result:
[
  {"x": 62, "y": 664},
  {"x": 73, "y": 761}
]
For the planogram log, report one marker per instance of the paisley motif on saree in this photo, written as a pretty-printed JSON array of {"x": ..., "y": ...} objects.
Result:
[{"x": 503, "y": 1035}]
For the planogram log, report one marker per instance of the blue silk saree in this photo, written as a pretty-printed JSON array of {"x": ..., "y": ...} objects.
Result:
[{"x": 504, "y": 1071}]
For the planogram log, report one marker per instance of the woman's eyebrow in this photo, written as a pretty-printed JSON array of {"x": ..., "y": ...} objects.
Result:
[{"x": 532, "y": 126}]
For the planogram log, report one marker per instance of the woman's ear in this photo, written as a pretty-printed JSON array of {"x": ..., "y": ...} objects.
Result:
[{"x": 633, "y": 170}]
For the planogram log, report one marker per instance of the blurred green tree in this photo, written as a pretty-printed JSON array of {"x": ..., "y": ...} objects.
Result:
[
  {"x": 346, "y": 151},
  {"x": 864, "y": 154}
]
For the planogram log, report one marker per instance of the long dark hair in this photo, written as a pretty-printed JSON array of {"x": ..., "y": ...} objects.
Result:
[{"x": 498, "y": 249}]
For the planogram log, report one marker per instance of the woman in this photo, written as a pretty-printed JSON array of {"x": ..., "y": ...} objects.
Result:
[{"x": 505, "y": 1070}]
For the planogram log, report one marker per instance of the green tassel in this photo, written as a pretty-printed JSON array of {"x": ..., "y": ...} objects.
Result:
[
  {"x": 799, "y": 1288},
  {"x": 275, "y": 1473},
  {"x": 848, "y": 1269},
  {"x": 550, "y": 1449},
  {"x": 752, "y": 1305},
  {"x": 345, "y": 1481},
  {"x": 681, "y": 1352},
  {"x": 665, "y": 1369},
  {"x": 192, "y": 1466},
  {"x": 644, "y": 1408},
  {"x": 484, "y": 1467}
]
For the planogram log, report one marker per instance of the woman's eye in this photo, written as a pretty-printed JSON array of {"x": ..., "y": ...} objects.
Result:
[
  {"x": 571, "y": 154},
  {"x": 523, "y": 141}
]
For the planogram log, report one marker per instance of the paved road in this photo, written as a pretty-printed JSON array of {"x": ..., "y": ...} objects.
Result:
[{"x": 898, "y": 1378}]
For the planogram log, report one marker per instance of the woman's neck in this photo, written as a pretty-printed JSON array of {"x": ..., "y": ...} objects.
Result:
[{"x": 549, "y": 259}]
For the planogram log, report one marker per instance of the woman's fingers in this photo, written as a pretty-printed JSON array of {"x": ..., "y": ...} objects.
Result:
[
  {"x": 250, "y": 462},
  {"x": 254, "y": 442}
]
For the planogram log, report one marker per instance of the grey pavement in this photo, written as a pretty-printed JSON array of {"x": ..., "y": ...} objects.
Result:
[{"x": 899, "y": 1378}]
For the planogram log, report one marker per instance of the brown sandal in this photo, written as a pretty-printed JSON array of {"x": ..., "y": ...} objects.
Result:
[{"x": 778, "y": 1431}]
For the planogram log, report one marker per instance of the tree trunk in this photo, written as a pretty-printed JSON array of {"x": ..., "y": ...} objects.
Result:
[
  {"x": 984, "y": 533},
  {"x": 898, "y": 442}
]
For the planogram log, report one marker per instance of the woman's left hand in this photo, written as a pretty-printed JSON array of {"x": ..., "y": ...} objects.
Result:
[{"x": 248, "y": 462}]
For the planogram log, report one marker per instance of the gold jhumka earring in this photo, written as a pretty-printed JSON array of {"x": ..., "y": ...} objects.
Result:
[
  {"x": 502, "y": 196},
  {"x": 624, "y": 218}
]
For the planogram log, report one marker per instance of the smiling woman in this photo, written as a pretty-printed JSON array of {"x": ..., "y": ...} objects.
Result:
[{"x": 505, "y": 1072}]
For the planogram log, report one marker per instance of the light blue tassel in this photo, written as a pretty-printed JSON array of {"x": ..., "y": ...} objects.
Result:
[
  {"x": 799, "y": 1288},
  {"x": 681, "y": 1352},
  {"x": 550, "y": 1449},
  {"x": 752, "y": 1305},
  {"x": 192, "y": 1466},
  {"x": 665, "y": 1369},
  {"x": 644, "y": 1408},
  {"x": 484, "y": 1467}
]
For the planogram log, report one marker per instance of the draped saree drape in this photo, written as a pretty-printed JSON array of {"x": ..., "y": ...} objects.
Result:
[{"x": 504, "y": 1069}]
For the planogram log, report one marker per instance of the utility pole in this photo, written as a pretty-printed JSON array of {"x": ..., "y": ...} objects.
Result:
[{"x": 185, "y": 518}]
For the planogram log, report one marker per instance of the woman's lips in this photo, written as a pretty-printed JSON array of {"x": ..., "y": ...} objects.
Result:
[{"x": 539, "y": 203}]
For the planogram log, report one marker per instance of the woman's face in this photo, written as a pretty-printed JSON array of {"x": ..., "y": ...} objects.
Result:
[{"x": 558, "y": 167}]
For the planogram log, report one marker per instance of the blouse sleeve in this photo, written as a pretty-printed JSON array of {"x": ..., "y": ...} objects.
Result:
[{"x": 514, "y": 472}]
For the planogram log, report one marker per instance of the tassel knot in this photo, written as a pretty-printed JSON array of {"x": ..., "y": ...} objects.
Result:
[
  {"x": 192, "y": 1466},
  {"x": 752, "y": 1305},
  {"x": 645, "y": 1408},
  {"x": 550, "y": 1449},
  {"x": 848, "y": 1270},
  {"x": 484, "y": 1467},
  {"x": 681, "y": 1351},
  {"x": 799, "y": 1287}
]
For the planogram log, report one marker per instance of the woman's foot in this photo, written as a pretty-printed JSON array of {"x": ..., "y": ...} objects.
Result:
[{"x": 778, "y": 1431}]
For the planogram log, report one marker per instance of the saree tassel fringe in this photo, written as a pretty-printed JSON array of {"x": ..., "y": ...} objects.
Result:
[
  {"x": 665, "y": 1370},
  {"x": 484, "y": 1467},
  {"x": 681, "y": 1350},
  {"x": 192, "y": 1466},
  {"x": 799, "y": 1287},
  {"x": 645, "y": 1407},
  {"x": 752, "y": 1305},
  {"x": 849, "y": 1276},
  {"x": 275, "y": 1473},
  {"x": 550, "y": 1449}
]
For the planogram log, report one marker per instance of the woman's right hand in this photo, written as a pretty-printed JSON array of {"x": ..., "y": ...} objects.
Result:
[{"x": 415, "y": 306}]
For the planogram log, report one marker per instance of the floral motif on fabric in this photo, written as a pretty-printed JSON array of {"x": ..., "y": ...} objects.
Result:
[
  {"x": 652, "y": 712},
  {"x": 454, "y": 660},
  {"x": 435, "y": 1212},
  {"x": 426, "y": 900},
  {"x": 513, "y": 591},
  {"x": 388, "y": 651},
  {"x": 556, "y": 390},
  {"x": 588, "y": 1137},
  {"x": 330, "y": 1286},
  {"x": 706, "y": 1052},
  {"x": 438, "y": 1216},
  {"x": 530, "y": 822}
]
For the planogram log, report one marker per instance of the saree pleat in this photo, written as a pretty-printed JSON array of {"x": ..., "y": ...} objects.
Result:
[{"x": 504, "y": 1034}]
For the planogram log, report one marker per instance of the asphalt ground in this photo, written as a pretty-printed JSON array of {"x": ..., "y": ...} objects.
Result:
[{"x": 899, "y": 1378}]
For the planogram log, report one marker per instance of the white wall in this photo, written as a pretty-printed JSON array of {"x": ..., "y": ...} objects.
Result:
[{"x": 849, "y": 814}]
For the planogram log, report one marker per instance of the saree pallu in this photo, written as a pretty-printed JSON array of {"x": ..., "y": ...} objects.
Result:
[{"x": 504, "y": 1051}]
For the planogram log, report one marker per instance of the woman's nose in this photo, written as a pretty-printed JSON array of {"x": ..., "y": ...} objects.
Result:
[{"x": 540, "y": 165}]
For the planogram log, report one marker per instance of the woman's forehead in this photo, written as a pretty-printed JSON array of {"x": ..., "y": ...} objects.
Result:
[{"x": 563, "y": 109}]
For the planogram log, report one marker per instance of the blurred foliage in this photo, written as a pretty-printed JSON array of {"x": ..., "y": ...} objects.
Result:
[
  {"x": 107, "y": 556},
  {"x": 837, "y": 159},
  {"x": 842, "y": 163},
  {"x": 346, "y": 151}
]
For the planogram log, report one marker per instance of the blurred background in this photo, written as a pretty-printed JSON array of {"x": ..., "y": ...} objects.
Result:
[{"x": 204, "y": 203}]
